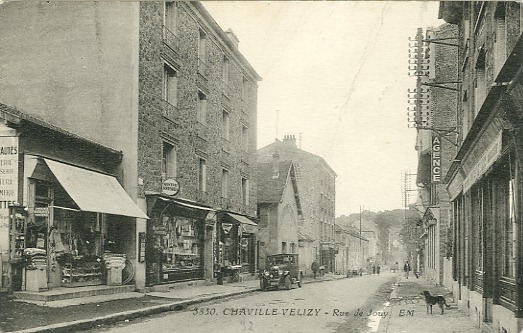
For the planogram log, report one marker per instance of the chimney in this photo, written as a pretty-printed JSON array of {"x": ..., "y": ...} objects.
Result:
[
  {"x": 275, "y": 165},
  {"x": 290, "y": 140},
  {"x": 232, "y": 36}
]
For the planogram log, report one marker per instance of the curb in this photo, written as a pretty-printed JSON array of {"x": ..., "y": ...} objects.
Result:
[{"x": 85, "y": 324}]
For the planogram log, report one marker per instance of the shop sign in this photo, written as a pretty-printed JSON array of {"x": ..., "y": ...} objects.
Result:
[
  {"x": 484, "y": 162},
  {"x": 41, "y": 211},
  {"x": 8, "y": 186},
  {"x": 435, "y": 165},
  {"x": 227, "y": 227},
  {"x": 141, "y": 246},
  {"x": 170, "y": 186},
  {"x": 160, "y": 230}
]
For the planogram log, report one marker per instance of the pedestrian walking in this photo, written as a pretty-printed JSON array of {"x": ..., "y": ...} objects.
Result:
[
  {"x": 407, "y": 269},
  {"x": 378, "y": 269},
  {"x": 314, "y": 268},
  {"x": 322, "y": 270},
  {"x": 373, "y": 269}
]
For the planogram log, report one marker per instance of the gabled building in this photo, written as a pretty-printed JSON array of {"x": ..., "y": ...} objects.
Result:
[
  {"x": 279, "y": 210},
  {"x": 164, "y": 85},
  {"x": 317, "y": 187}
]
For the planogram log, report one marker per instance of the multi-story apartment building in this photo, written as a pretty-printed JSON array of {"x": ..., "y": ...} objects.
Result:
[
  {"x": 316, "y": 186},
  {"x": 436, "y": 144},
  {"x": 484, "y": 181},
  {"x": 162, "y": 84}
]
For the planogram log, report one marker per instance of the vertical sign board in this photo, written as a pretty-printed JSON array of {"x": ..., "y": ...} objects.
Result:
[
  {"x": 435, "y": 163},
  {"x": 8, "y": 190}
]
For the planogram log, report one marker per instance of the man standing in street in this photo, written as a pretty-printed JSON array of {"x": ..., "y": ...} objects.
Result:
[
  {"x": 314, "y": 268},
  {"x": 406, "y": 269}
]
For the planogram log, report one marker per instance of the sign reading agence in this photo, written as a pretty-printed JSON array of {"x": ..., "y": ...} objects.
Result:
[{"x": 435, "y": 165}]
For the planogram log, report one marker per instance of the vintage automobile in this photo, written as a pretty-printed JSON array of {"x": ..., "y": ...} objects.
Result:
[{"x": 281, "y": 270}]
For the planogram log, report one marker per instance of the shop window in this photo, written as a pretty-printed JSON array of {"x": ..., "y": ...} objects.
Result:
[
  {"x": 225, "y": 183},
  {"x": 168, "y": 160},
  {"x": 202, "y": 108},
  {"x": 202, "y": 175},
  {"x": 293, "y": 248},
  {"x": 225, "y": 125},
  {"x": 509, "y": 262},
  {"x": 181, "y": 244},
  {"x": 246, "y": 251},
  {"x": 283, "y": 247},
  {"x": 228, "y": 244},
  {"x": 170, "y": 85}
]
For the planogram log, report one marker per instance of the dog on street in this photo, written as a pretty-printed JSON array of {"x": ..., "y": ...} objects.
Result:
[{"x": 433, "y": 300}]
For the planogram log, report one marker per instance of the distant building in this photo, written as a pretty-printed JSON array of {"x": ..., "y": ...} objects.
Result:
[
  {"x": 353, "y": 250},
  {"x": 317, "y": 187},
  {"x": 279, "y": 209}
]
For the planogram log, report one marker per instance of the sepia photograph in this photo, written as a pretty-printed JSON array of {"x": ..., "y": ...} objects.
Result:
[{"x": 261, "y": 166}]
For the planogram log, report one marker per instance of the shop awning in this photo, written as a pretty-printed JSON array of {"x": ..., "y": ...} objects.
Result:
[
  {"x": 185, "y": 204},
  {"x": 242, "y": 219},
  {"x": 93, "y": 191}
]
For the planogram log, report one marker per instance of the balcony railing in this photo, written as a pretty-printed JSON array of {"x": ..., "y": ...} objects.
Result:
[
  {"x": 202, "y": 67},
  {"x": 170, "y": 39},
  {"x": 170, "y": 111}
]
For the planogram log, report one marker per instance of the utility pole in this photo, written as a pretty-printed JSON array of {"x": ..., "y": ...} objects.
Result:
[{"x": 361, "y": 247}]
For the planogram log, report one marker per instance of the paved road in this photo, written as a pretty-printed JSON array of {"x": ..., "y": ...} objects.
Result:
[{"x": 316, "y": 307}]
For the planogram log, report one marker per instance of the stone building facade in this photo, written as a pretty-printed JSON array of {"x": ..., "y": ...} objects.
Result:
[
  {"x": 484, "y": 180},
  {"x": 164, "y": 85},
  {"x": 317, "y": 188}
]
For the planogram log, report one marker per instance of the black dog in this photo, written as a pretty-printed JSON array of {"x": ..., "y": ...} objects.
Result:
[{"x": 432, "y": 300}]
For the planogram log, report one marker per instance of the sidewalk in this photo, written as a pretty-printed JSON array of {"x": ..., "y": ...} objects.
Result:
[
  {"x": 88, "y": 312},
  {"x": 408, "y": 312}
]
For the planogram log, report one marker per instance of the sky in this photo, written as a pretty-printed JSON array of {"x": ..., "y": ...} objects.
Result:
[{"x": 335, "y": 75}]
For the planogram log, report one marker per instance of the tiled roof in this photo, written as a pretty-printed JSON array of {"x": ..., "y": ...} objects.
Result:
[{"x": 270, "y": 190}]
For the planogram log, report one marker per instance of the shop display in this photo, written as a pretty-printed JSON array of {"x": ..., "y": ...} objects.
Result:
[
  {"x": 18, "y": 234},
  {"x": 178, "y": 244},
  {"x": 35, "y": 258},
  {"x": 82, "y": 271},
  {"x": 181, "y": 245}
]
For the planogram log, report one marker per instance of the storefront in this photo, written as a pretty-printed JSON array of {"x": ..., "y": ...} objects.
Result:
[
  {"x": 179, "y": 240},
  {"x": 65, "y": 233},
  {"x": 235, "y": 244}
]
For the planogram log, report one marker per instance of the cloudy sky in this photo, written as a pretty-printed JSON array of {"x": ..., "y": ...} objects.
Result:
[{"x": 335, "y": 74}]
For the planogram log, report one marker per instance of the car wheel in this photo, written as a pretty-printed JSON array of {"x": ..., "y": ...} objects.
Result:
[
  {"x": 288, "y": 282},
  {"x": 263, "y": 284}
]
